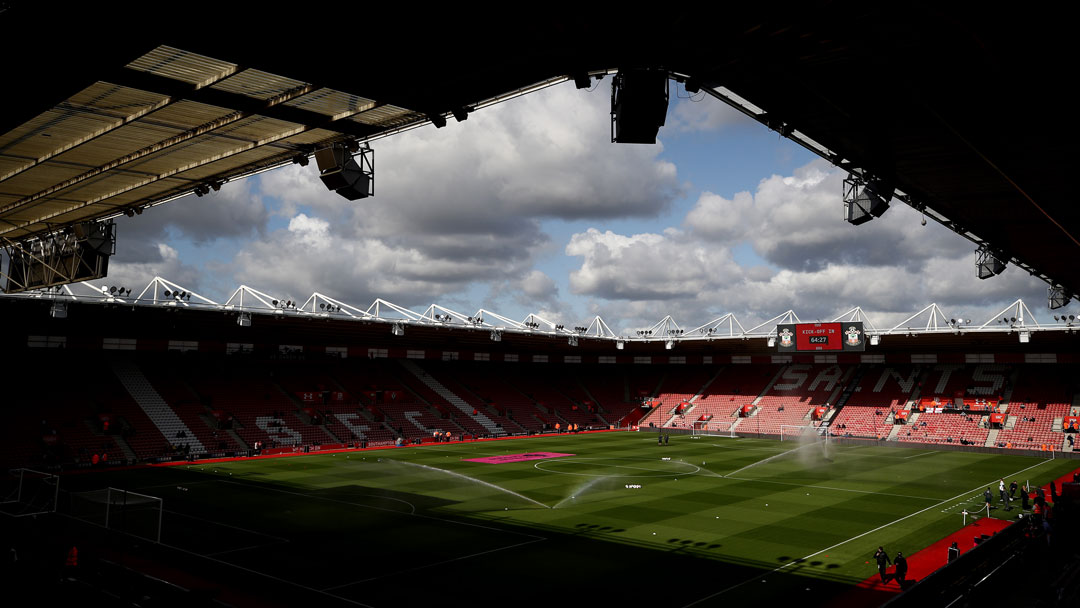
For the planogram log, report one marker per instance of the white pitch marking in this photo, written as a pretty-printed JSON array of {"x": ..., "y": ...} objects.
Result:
[{"x": 917, "y": 455}]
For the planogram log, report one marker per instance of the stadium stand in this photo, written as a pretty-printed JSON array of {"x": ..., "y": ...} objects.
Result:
[
  {"x": 795, "y": 391},
  {"x": 1039, "y": 402},
  {"x": 879, "y": 391},
  {"x": 227, "y": 403}
]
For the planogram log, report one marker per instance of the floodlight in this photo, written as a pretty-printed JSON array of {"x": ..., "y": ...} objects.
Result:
[
  {"x": 670, "y": 344},
  {"x": 244, "y": 320},
  {"x": 397, "y": 329},
  {"x": 619, "y": 344}
]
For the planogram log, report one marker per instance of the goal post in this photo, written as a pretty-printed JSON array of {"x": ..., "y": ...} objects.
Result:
[
  {"x": 794, "y": 432},
  {"x": 29, "y": 492},
  {"x": 122, "y": 510},
  {"x": 712, "y": 428}
]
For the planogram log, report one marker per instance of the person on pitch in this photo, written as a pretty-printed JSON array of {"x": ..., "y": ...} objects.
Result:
[
  {"x": 901, "y": 568},
  {"x": 883, "y": 561}
]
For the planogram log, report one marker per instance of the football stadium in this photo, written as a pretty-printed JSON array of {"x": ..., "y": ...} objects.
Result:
[{"x": 164, "y": 446}]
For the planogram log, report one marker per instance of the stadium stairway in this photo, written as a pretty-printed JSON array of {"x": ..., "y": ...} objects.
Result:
[
  {"x": 700, "y": 392},
  {"x": 125, "y": 448},
  {"x": 156, "y": 409},
  {"x": 451, "y": 398},
  {"x": 239, "y": 440}
]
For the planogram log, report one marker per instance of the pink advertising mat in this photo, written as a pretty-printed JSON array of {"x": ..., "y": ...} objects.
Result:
[{"x": 517, "y": 457}]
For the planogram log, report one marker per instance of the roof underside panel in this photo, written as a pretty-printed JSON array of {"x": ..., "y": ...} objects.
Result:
[
  {"x": 388, "y": 117},
  {"x": 183, "y": 66},
  {"x": 334, "y": 104},
  {"x": 113, "y": 146},
  {"x": 258, "y": 84}
]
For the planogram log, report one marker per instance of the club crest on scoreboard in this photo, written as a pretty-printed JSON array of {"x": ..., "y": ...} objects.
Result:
[
  {"x": 785, "y": 337},
  {"x": 854, "y": 336}
]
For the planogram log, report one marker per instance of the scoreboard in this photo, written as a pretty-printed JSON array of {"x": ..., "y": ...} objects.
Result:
[{"x": 820, "y": 337}]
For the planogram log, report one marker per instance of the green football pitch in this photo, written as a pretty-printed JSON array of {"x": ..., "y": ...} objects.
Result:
[{"x": 702, "y": 521}]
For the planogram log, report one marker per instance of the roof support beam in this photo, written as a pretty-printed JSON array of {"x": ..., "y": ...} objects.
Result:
[{"x": 312, "y": 120}]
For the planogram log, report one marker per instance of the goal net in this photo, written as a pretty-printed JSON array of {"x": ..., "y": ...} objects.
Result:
[
  {"x": 28, "y": 492},
  {"x": 790, "y": 432},
  {"x": 712, "y": 428},
  {"x": 121, "y": 510}
]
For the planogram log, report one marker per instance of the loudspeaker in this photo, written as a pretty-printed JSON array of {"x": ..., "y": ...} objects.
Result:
[{"x": 339, "y": 172}]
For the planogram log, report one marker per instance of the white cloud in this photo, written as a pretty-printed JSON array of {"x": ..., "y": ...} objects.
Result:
[
  {"x": 165, "y": 263},
  {"x": 309, "y": 256},
  {"x": 822, "y": 266},
  {"x": 796, "y": 222},
  {"x": 538, "y": 286},
  {"x": 701, "y": 112},
  {"x": 645, "y": 266},
  {"x": 462, "y": 204},
  {"x": 234, "y": 211}
]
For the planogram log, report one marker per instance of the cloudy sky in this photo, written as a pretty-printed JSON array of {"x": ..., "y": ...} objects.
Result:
[{"x": 528, "y": 207}]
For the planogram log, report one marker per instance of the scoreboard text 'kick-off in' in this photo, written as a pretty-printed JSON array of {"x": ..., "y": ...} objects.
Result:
[{"x": 817, "y": 337}]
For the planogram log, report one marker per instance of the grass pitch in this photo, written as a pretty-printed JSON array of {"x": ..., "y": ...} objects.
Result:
[{"x": 702, "y": 521}]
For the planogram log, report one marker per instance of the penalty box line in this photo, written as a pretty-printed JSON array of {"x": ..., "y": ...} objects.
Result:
[{"x": 856, "y": 537}]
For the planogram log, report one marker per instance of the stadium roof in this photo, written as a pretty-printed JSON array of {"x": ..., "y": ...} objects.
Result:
[
  {"x": 931, "y": 327},
  {"x": 108, "y": 110}
]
